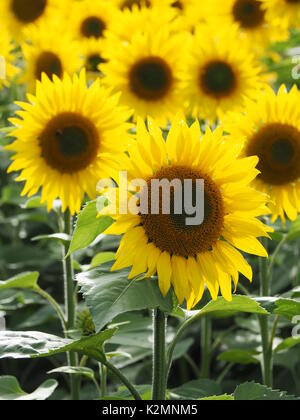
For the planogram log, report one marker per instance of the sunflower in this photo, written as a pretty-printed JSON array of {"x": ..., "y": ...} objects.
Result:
[
  {"x": 8, "y": 70},
  {"x": 146, "y": 70},
  {"x": 189, "y": 257},
  {"x": 66, "y": 138},
  {"x": 270, "y": 129},
  {"x": 48, "y": 53},
  {"x": 284, "y": 13},
  {"x": 250, "y": 16},
  {"x": 92, "y": 50},
  {"x": 140, "y": 4},
  {"x": 220, "y": 73},
  {"x": 18, "y": 14},
  {"x": 129, "y": 22},
  {"x": 191, "y": 12},
  {"x": 90, "y": 19}
]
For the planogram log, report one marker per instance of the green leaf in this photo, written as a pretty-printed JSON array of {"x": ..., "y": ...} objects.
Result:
[
  {"x": 70, "y": 370},
  {"x": 238, "y": 356},
  {"x": 109, "y": 294},
  {"x": 88, "y": 227},
  {"x": 102, "y": 258},
  {"x": 288, "y": 344},
  {"x": 26, "y": 345},
  {"x": 195, "y": 390},
  {"x": 224, "y": 397},
  {"x": 294, "y": 232},
  {"x": 11, "y": 390},
  {"x": 288, "y": 308},
  {"x": 22, "y": 281},
  {"x": 58, "y": 237},
  {"x": 33, "y": 203},
  {"x": 255, "y": 392},
  {"x": 239, "y": 304}
]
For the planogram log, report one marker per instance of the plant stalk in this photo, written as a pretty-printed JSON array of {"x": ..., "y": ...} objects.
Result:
[
  {"x": 206, "y": 333},
  {"x": 159, "y": 356},
  {"x": 70, "y": 303}
]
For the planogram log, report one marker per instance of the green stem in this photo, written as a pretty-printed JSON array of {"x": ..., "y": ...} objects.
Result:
[
  {"x": 103, "y": 373},
  {"x": 159, "y": 356},
  {"x": 123, "y": 379},
  {"x": 206, "y": 333},
  {"x": 55, "y": 306},
  {"x": 70, "y": 303},
  {"x": 265, "y": 290}
]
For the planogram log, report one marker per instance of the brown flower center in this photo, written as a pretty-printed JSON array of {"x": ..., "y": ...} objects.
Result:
[
  {"x": 93, "y": 27},
  {"x": 170, "y": 232},
  {"x": 178, "y": 4},
  {"x": 93, "y": 62},
  {"x": 278, "y": 149},
  {"x": 151, "y": 79},
  {"x": 69, "y": 143},
  {"x": 249, "y": 13},
  {"x": 27, "y": 11},
  {"x": 50, "y": 64},
  {"x": 218, "y": 79}
]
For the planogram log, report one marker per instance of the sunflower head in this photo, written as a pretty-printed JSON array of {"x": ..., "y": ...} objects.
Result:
[
  {"x": 19, "y": 14},
  {"x": 185, "y": 255},
  {"x": 51, "y": 51},
  {"x": 147, "y": 71},
  {"x": 67, "y": 138},
  {"x": 219, "y": 75},
  {"x": 270, "y": 130},
  {"x": 8, "y": 70},
  {"x": 90, "y": 20},
  {"x": 284, "y": 13}
]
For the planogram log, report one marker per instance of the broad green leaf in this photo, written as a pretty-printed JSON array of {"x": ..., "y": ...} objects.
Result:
[
  {"x": 22, "y": 281},
  {"x": 294, "y": 232},
  {"x": 195, "y": 390},
  {"x": 58, "y": 237},
  {"x": 288, "y": 344},
  {"x": 80, "y": 371},
  {"x": 239, "y": 304},
  {"x": 109, "y": 294},
  {"x": 33, "y": 203},
  {"x": 289, "y": 308},
  {"x": 255, "y": 392},
  {"x": 88, "y": 227},
  {"x": 224, "y": 397},
  {"x": 123, "y": 394},
  {"x": 102, "y": 258},
  {"x": 11, "y": 390},
  {"x": 238, "y": 356},
  {"x": 26, "y": 345}
]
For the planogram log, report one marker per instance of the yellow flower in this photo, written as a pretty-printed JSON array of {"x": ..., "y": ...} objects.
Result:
[
  {"x": 270, "y": 129},
  {"x": 128, "y": 22},
  {"x": 220, "y": 72},
  {"x": 147, "y": 72},
  {"x": 192, "y": 12},
  {"x": 8, "y": 70},
  {"x": 51, "y": 50},
  {"x": 66, "y": 139},
  {"x": 189, "y": 257},
  {"x": 250, "y": 16},
  {"x": 139, "y": 4},
  {"x": 92, "y": 51},
  {"x": 19, "y": 14},
  {"x": 90, "y": 19},
  {"x": 284, "y": 13}
]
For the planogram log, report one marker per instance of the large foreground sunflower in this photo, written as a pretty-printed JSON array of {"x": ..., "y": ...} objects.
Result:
[
  {"x": 18, "y": 14},
  {"x": 284, "y": 13},
  {"x": 220, "y": 72},
  {"x": 65, "y": 139},
  {"x": 250, "y": 16},
  {"x": 8, "y": 70},
  {"x": 189, "y": 257},
  {"x": 146, "y": 70},
  {"x": 51, "y": 50},
  {"x": 270, "y": 129}
]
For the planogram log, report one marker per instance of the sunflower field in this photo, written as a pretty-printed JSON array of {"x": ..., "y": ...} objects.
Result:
[{"x": 150, "y": 202}]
